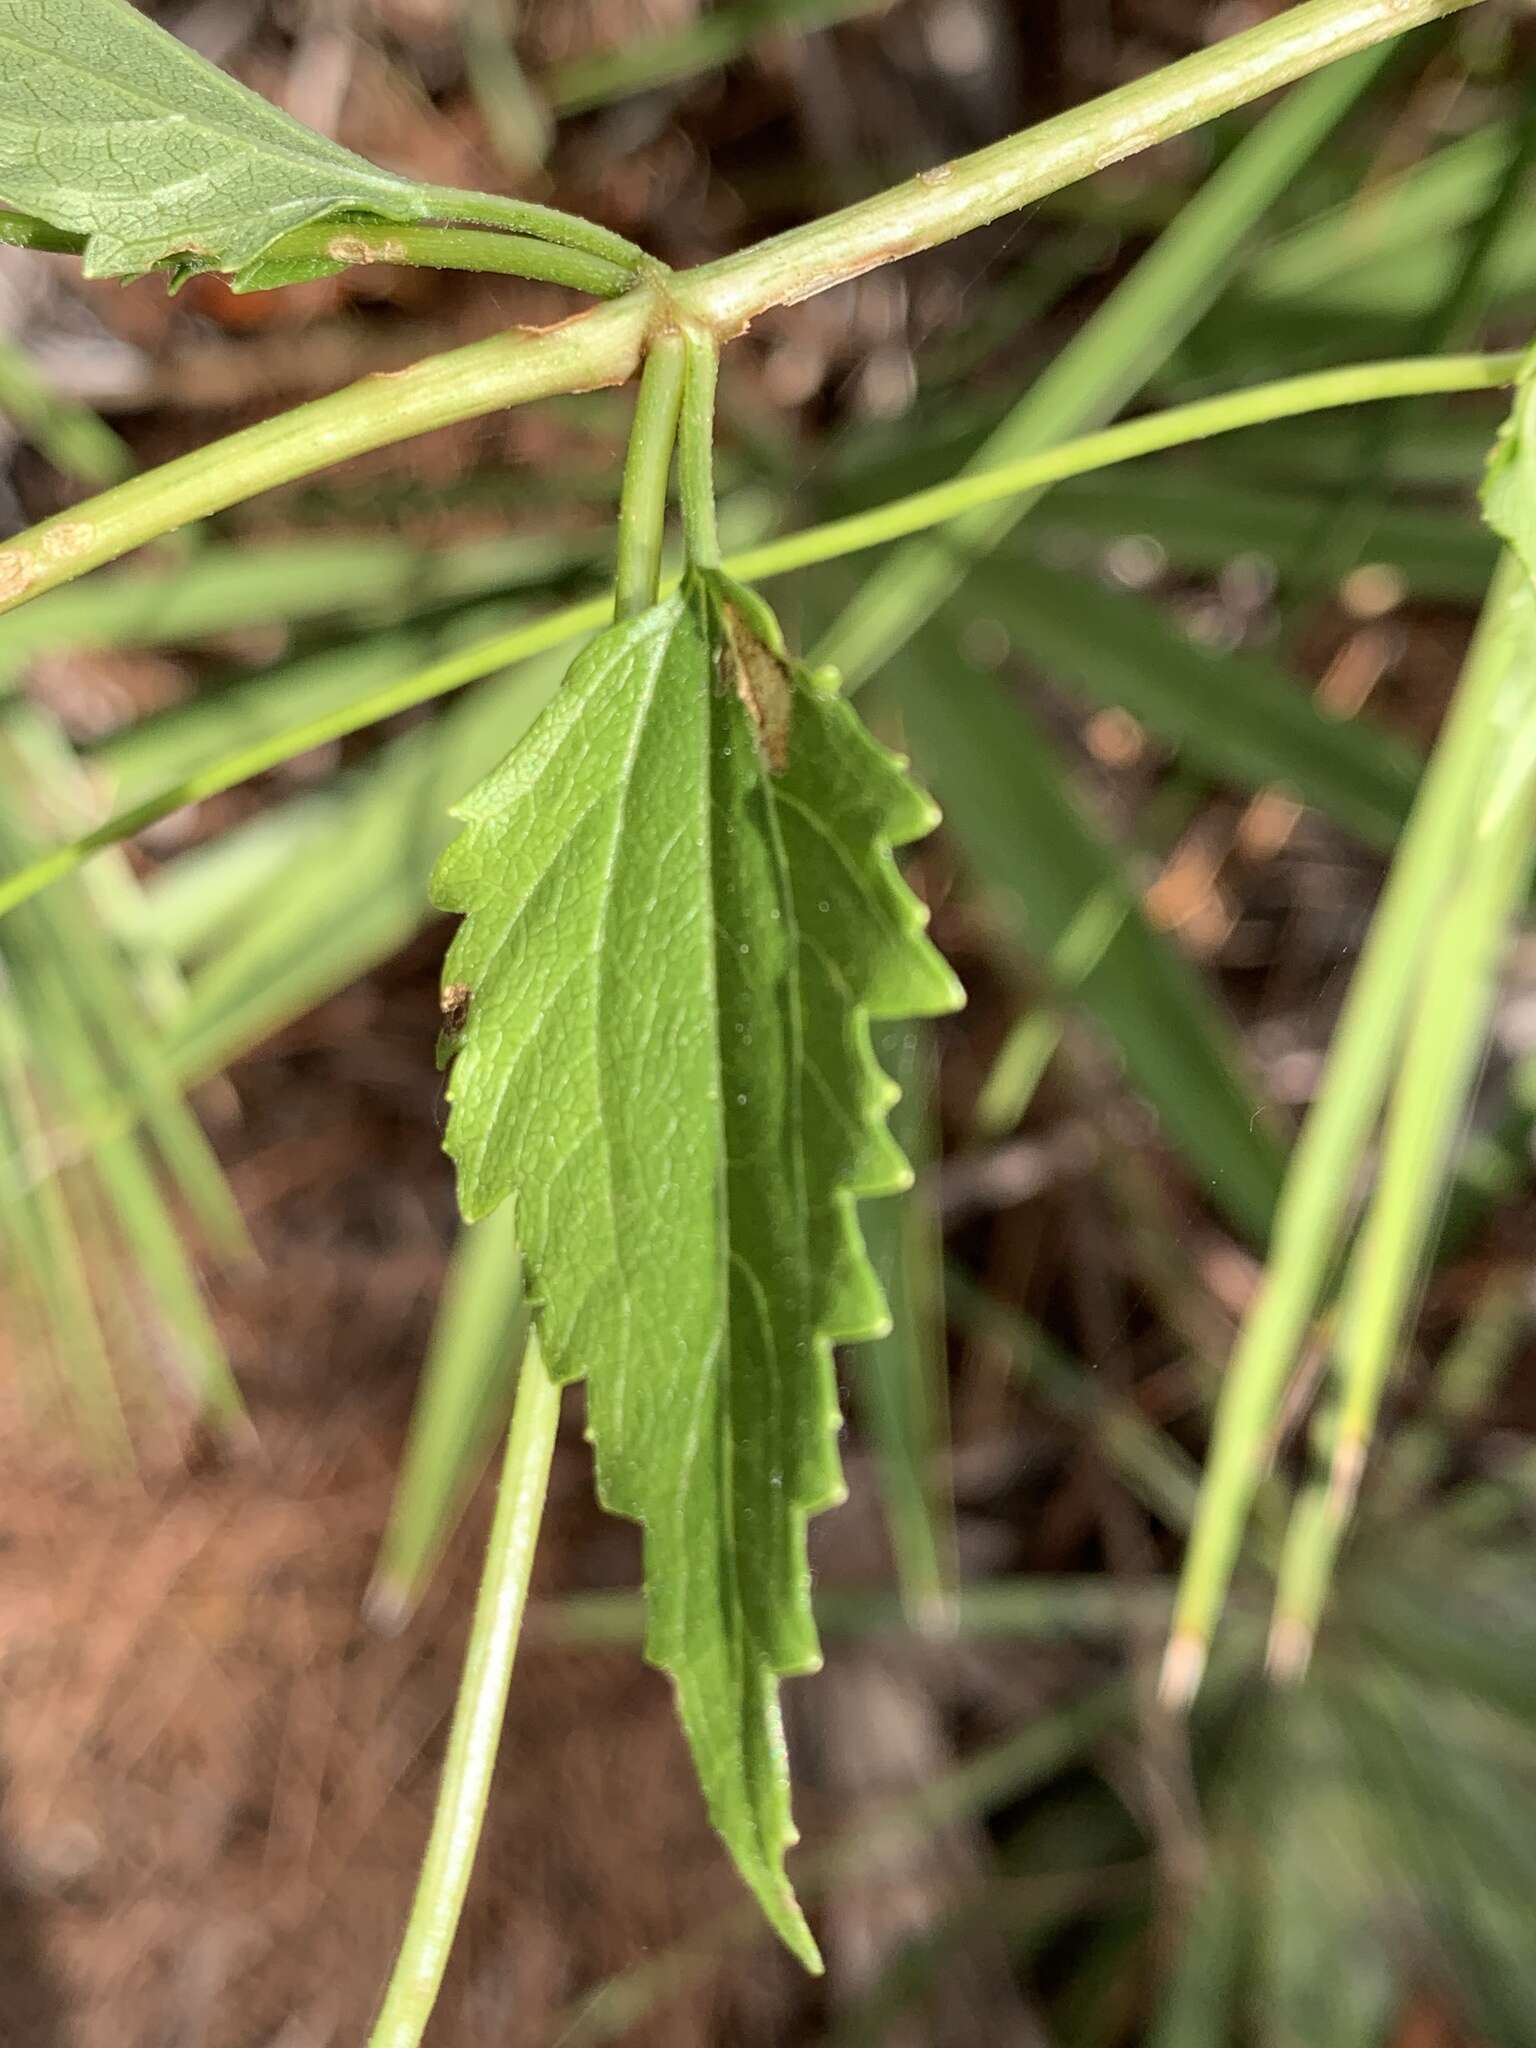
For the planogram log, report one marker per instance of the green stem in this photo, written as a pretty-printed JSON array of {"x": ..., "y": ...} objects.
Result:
[
  {"x": 457, "y": 249},
  {"x": 696, "y": 451},
  {"x": 1443, "y": 1047},
  {"x": 643, "y": 500},
  {"x": 478, "y": 1711},
  {"x": 1175, "y": 427},
  {"x": 544, "y": 223},
  {"x": 421, "y": 248},
  {"x": 605, "y": 345},
  {"x": 952, "y": 199},
  {"x": 599, "y": 347},
  {"x": 923, "y": 509},
  {"x": 25, "y": 231}
]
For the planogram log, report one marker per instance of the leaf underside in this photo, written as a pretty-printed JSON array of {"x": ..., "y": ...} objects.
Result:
[
  {"x": 673, "y": 954},
  {"x": 111, "y": 128}
]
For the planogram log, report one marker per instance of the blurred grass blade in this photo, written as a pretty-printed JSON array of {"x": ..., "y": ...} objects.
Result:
[
  {"x": 78, "y": 444},
  {"x": 84, "y": 1071},
  {"x": 901, "y": 1381},
  {"x": 1035, "y": 1037},
  {"x": 1109, "y": 360},
  {"x": 1157, "y": 1470},
  {"x": 1466, "y": 1377},
  {"x": 462, "y": 1407},
  {"x": 225, "y": 587},
  {"x": 1431, "y": 200},
  {"x": 1199, "y": 1994},
  {"x": 1395, "y": 252},
  {"x": 41, "y": 1229},
  {"x": 1204, "y": 514},
  {"x": 1041, "y": 863},
  {"x": 188, "y": 1344},
  {"x": 519, "y": 126},
  {"x": 1442, "y": 1051},
  {"x": 1241, "y": 717},
  {"x": 352, "y": 886},
  {"x": 1323, "y": 1178},
  {"x": 704, "y": 43},
  {"x": 179, "y": 744},
  {"x": 67, "y": 931}
]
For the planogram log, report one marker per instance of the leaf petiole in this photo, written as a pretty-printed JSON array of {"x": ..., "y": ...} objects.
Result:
[
  {"x": 478, "y": 1711},
  {"x": 647, "y": 465},
  {"x": 346, "y": 242},
  {"x": 696, "y": 450},
  {"x": 544, "y": 223}
]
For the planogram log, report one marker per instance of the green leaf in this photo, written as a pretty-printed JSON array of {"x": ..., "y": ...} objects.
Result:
[
  {"x": 673, "y": 950},
  {"x": 111, "y": 128}
]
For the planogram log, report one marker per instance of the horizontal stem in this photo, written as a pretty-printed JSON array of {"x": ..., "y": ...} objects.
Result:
[
  {"x": 1206, "y": 417},
  {"x": 952, "y": 199},
  {"x": 1202, "y": 420},
  {"x": 604, "y": 346},
  {"x": 599, "y": 347}
]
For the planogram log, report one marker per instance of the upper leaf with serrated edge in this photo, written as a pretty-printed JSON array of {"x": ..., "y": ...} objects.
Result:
[{"x": 112, "y": 129}]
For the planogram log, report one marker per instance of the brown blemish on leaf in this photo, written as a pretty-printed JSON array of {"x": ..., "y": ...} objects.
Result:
[
  {"x": 454, "y": 1002},
  {"x": 16, "y": 572},
  {"x": 763, "y": 683}
]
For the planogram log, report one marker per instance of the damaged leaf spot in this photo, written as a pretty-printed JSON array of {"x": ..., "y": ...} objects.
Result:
[
  {"x": 761, "y": 679},
  {"x": 456, "y": 999}
]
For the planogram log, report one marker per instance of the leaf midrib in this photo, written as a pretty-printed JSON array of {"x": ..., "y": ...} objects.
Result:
[{"x": 643, "y": 712}]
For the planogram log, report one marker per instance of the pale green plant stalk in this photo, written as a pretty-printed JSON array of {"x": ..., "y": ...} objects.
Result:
[
  {"x": 1442, "y": 1047},
  {"x": 478, "y": 1712},
  {"x": 643, "y": 499},
  {"x": 420, "y": 248},
  {"x": 605, "y": 346},
  {"x": 1320, "y": 1189}
]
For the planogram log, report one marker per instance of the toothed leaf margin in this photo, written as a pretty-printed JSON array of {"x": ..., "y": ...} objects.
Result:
[{"x": 682, "y": 910}]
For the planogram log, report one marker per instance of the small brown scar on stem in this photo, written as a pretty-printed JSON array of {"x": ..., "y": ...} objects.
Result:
[
  {"x": 355, "y": 249},
  {"x": 17, "y": 573},
  {"x": 62, "y": 543}
]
